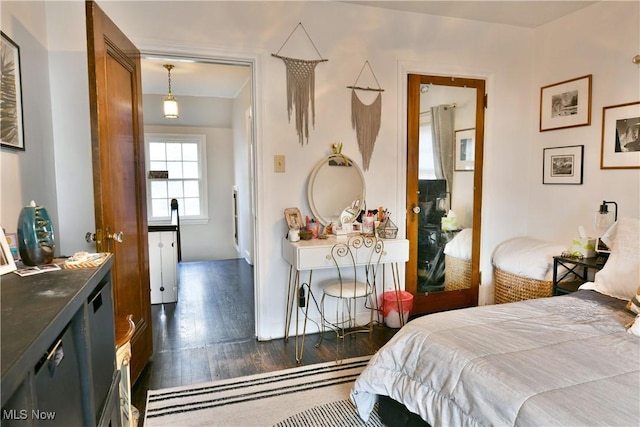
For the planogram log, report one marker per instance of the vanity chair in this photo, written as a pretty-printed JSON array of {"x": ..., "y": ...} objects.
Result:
[{"x": 357, "y": 262}]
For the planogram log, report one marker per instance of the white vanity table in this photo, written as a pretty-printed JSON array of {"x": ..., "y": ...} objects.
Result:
[{"x": 314, "y": 254}]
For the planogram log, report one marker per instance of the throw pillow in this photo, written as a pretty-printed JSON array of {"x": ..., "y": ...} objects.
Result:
[{"x": 620, "y": 276}]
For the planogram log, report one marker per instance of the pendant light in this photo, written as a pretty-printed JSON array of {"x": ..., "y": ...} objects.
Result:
[{"x": 170, "y": 103}]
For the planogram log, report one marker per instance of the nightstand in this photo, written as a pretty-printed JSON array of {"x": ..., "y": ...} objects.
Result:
[{"x": 578, "y": 267}]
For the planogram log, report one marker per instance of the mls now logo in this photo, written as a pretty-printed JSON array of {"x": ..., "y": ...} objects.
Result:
[{"x": 23, "y": 414}]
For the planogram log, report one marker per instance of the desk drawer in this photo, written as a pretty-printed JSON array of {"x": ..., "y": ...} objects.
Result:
[
  {"x": 311, "y": 258},
  {"x": 394, "y": 251}
]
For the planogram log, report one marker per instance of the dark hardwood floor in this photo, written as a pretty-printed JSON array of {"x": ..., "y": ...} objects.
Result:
[{"x": 208, "y": 335}]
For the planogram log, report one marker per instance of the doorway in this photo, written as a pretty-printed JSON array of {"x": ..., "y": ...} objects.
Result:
[{"x": 216, "y": 98}]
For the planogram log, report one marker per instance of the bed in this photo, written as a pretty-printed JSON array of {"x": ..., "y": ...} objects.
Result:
[{"x": 566, "y": 360}]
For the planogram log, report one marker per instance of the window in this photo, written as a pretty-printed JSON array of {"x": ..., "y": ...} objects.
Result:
[
  {"x": 184, "y": 158},
  {"x": 425, "y": 159}
]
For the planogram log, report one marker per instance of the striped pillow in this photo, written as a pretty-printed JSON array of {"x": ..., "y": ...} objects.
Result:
[{"x": 634, "y": 303}]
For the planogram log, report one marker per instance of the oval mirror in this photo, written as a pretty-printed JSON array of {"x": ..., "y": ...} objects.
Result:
[{"x": 336, "y": 184}]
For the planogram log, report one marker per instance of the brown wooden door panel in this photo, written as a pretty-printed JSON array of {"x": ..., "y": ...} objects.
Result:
[
  {"x": 448, "y": 299},
  {"x": 118, "y": 173}
]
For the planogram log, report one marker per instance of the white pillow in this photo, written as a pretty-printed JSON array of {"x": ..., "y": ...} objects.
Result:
[
  {"x": 460, "y": 245},
  {"x": 620, "y": 276}
]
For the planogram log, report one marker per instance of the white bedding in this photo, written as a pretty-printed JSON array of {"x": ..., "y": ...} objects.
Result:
[
  {"x": 553, "y": 361},
  {"x": 527, "y": 257},
  {"x": 460, "y": 245}
]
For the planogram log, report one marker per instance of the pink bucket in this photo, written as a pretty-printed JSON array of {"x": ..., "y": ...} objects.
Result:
[{"x": 391, "y": 301}]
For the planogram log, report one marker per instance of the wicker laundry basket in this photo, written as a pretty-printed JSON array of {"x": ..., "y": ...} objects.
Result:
[
  {"x": 457, "y": 273},
  {"x": 511, "y": 288}
]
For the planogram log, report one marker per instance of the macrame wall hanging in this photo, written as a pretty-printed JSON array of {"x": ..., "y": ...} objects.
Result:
[
  {"x": 301, "y": 87},
  {"x": 365, "y": 119}
]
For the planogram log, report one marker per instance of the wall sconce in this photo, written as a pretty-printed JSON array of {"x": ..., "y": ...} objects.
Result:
[
  {"x": 603, "y": 219},
  {"x": 170, "y": 103}
]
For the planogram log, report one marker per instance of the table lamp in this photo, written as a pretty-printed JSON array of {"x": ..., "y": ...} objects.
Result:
[{"x": 602, "y": 220}]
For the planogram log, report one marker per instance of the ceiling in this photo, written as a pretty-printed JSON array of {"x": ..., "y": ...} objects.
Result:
[
  {"x": 190, "y": 78},
  {"x": 521, "y": 13}
]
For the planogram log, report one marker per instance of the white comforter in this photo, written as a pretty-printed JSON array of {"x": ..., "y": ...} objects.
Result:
[{"x": 554, "y": 361}]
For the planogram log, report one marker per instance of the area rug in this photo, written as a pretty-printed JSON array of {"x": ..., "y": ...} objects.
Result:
[{"x": 314, "y": 395}]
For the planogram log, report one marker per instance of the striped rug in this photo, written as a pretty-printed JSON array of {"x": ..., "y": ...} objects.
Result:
[{"x": 314, "y": 395}]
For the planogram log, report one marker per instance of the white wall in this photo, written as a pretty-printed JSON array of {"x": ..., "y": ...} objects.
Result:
[
  {"x": 600, "y": 39},
  {"x": 211, "y": 117},
  {"x": 30, "y": 174},
  {"x": 213, "y": 240},
  {"x": 391, "y": 42},
  {"x": 242, "y": 137}
]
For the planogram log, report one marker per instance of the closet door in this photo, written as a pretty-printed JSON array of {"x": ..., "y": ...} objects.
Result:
[{"x": 445, "y": 129}]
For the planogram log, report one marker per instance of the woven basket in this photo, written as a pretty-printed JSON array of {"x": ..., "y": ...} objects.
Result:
[
  {"x": 511, "y": 288},
  {"x": 457, "y": 273}
]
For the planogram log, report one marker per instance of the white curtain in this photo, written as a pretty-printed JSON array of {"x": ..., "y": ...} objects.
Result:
[{"x": 442, "y": 118}]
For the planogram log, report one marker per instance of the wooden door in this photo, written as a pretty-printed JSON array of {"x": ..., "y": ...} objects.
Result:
[
  {"x": 438, "y": 296},
  {"x": 117, "y": 139}
]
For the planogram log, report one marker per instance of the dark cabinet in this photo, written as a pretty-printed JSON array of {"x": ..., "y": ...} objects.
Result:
[
  {"x": 57, "y": 383},
  {"x": 58, "y": 349}
]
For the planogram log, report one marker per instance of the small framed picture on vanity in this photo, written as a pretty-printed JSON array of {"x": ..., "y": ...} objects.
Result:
[{"x": 294, "y": 219}]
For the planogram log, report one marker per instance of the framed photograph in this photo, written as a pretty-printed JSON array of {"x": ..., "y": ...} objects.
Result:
[
  {"x": 7, "y": 264},
  {"x": 620, "y": 141},
  {"x": 465, "y": 149},
  {"x": 12, "y": 240},
  {"x": 294, "y": 219},
  {"x": 563, "y": 165},
  {"x": 566, "y": 104},
  {"x": 11, "y": 129}
]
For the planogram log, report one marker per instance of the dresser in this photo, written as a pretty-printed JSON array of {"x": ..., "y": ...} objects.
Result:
[{"x": 58, "y": 353}]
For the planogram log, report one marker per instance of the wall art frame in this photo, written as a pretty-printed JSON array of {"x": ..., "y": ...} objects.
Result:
[
  {"x": 7, "y": 263},
  {"x": 12, "y": 129},
  {"x": 620, "y": 147},
  {"x": 566, "y": 104},
  {"x": 563, "y": 165},
  {"x": 465, "y": 150},
  {"x": 294, "y": 219}
]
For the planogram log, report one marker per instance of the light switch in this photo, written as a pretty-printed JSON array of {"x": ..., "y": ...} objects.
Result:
[{"x": 278, "y": 163}]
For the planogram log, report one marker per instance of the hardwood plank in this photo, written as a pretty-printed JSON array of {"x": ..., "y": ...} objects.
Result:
[{"x": 208, "y": 335}]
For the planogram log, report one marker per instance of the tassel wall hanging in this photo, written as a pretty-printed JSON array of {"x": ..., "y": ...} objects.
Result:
[
  {"x": 301, "y": 88},
  {"x": 365, "y": 119}
]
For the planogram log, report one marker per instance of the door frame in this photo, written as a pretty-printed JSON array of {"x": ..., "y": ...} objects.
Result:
[
  {"x": 254, "y": 62},
  {"x": 444, "y": 70}
]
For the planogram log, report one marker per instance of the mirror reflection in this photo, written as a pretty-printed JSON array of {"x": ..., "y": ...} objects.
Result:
[
  {"x": 336, "y": 185},
  {"x": 445, "y": 186}
]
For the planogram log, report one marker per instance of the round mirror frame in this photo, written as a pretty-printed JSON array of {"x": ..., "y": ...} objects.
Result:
[{"x": 340, "y": 158}]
